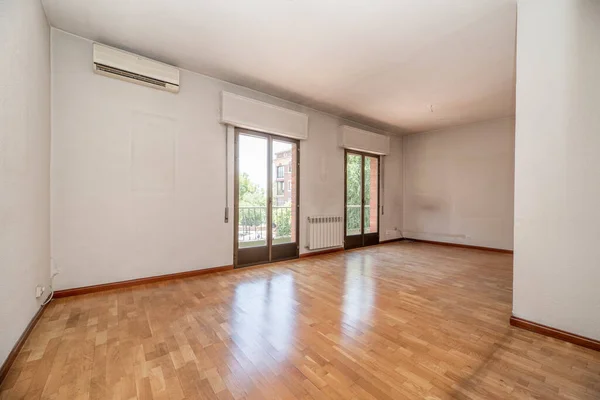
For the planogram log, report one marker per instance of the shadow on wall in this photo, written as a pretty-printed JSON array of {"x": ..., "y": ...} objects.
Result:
[{"x": 429, "y": 203}]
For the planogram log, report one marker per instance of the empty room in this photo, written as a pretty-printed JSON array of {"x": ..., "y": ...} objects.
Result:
[{"x": 286, "y": 199}]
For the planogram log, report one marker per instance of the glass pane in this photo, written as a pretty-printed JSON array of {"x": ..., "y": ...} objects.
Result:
[
  {"x": 252, "y": 175},
  {"x": 353, "y": 194},
  {"x": 284, "y": 192},
  {"x": 371, "y": 197}
]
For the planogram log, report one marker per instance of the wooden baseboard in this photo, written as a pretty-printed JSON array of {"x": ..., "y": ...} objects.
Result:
[
  {"x": 555, "y": 333},
  {"x": 465, "y": 246},
  {"x": 135, "y": 282},
  {"x": 321, "y": 252},
  {"x": 12, "y": 356}
]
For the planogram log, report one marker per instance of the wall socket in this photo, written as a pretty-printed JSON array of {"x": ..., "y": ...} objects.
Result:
[
  {"x": 39, "y": 291},
  {"x": 392, "y": 232}
]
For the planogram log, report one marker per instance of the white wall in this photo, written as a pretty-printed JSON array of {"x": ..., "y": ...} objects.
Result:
[
  {"x": 391, "y": 221},
  {"x": 24, "y": 164},
  {"x": 557, "y": 168},
  {"x": 115, "y": 219},
  {"x": 458, "y": 184}
]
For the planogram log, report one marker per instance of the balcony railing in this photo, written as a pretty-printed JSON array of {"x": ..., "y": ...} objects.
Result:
[
  {"x": 353, "y": 219},
  {"x": 252, "y": 225}
]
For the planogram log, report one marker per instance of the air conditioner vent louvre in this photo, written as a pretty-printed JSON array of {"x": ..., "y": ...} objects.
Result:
[{"x": 131, "y": 75}]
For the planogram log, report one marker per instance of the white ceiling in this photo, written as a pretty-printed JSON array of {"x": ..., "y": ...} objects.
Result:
[{"x": 383, "y": 63}]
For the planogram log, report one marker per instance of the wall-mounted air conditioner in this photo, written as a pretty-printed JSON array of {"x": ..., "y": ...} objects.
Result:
[{"x": 133, "y": 68}]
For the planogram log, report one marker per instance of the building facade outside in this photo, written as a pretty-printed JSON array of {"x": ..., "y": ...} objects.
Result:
[{"x": 284, "y": 189}]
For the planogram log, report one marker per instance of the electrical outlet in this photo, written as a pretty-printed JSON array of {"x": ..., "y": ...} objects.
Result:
[
  {"x": 393, "y": 233},
  {"x": 39, "y": 291}
]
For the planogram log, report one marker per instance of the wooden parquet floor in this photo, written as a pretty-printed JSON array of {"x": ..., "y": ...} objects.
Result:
[{"x": 404, "y": 320}]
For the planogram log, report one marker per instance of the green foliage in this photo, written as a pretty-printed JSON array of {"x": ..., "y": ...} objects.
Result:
[
  {"x": 353, "y": 192},
  {"x": 250, "y": 193},
  {"x": 283, "y": 219},
  {"x": 353, "y": 175}
]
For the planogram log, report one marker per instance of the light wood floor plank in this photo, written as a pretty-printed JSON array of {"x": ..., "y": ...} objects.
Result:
[{"x": 398, "y": 321}]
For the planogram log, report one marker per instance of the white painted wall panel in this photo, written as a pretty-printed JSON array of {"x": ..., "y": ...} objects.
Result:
[
  {"x": 153, "y": 147},
  {"x": 24, "y": 165},
  {"x": 390, "y": 223},
  {"x": 105, "y": 230},
  {"x": 458, "y": 184},
  {"x": 557, "y": 168}
]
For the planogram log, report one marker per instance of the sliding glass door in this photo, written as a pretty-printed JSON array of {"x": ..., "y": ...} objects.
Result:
[
  {"x": 266, "y": 198},
  {"x": 361, "y": 199}
]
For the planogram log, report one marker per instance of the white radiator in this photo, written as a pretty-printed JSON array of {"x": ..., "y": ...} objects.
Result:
[{"x": 325, "y": 231}]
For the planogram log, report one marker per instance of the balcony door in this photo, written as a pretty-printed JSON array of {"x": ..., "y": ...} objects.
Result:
[
  {"x": 361, "y": 199},
  {"x": 266, "y": 198}
]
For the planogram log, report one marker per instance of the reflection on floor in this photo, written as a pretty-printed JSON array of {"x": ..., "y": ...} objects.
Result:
[{"x": 403, "y": 320}]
